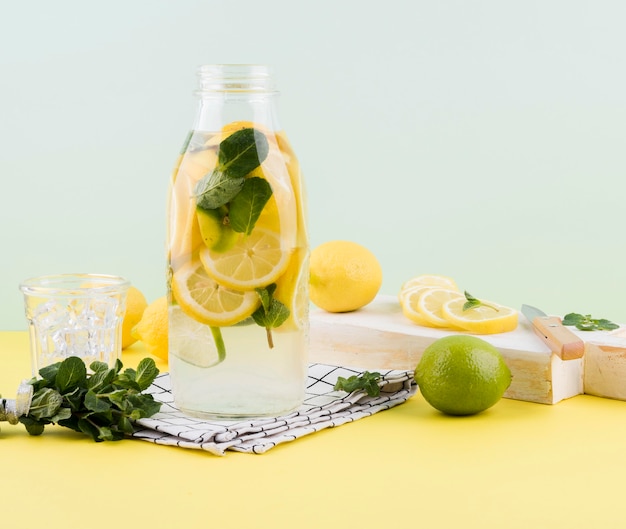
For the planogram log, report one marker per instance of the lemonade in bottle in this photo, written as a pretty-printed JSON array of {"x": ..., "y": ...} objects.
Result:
[{"x": 237, "y": 255}]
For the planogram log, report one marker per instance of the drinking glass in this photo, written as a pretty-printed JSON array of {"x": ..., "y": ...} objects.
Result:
[{"x": 74, "y": 315}]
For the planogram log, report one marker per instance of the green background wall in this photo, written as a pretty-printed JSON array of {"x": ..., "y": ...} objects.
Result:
[{"x": 482, "y": 140}]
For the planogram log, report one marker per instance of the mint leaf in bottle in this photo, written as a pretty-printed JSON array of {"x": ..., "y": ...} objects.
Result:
[
  {"x": 242, "y": 152},
  {"x": 247, "y": 205},
  {"x": 216, "y": 189},
  {"x": 271, "y": 314}
]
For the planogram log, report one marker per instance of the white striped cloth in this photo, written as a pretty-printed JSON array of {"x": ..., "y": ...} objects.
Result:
[{"x": 323, "y": 407}]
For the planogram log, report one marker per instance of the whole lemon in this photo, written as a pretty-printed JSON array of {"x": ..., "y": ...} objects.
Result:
[
  {"x": 344, "y": 276},
  {"x": 152, "y": 328},
  {"x": 135, "y": 305},
  {"x": 462, "y": 375}
]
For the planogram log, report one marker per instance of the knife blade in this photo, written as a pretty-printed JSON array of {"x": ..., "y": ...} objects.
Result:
[{"x": 561, "y": 341}]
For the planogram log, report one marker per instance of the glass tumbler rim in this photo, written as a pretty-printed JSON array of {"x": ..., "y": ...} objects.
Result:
[{"x": 74, "y": 284}]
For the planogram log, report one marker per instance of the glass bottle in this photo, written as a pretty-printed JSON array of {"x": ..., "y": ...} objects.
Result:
[{"x": 238, "y": 254}]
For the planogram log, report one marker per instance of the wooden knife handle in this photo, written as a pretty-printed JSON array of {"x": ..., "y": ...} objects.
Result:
[{"x": 558, "y": 338}]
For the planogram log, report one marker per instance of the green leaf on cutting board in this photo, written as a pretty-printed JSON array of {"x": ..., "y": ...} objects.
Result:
[
  {"x": 587, "y": 323},
  {"x": 473, "y": 302}
]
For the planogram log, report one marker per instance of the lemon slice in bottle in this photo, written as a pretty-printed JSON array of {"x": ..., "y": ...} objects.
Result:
[
  {"x": 202, "y": 298},
  {"x": 254, "y": 261}
]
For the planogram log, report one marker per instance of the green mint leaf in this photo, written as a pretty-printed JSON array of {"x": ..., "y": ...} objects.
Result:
[
  {"x": 128, "y": 380},
  {"x": 587, "y": 323},
  {"x": 146, "y": 373},
  {"x": 63, "y": 413},
  {"x": 572, "y": 318},
  {"x": 118, "y": 397},
  {"x": 88, "y": 428},
  {"x": 275, "y": 316},
  {"x": 271, "y": 314},
  {"x": 96, "y": 404},
  {"x": 125, "y": 425},
  {"x": 105, "y": 434},
  {"x": 74, "y": 399},
  {"x": 266, "y": 299},
  {"x": 247, "y": 205},
  {"x": 216, "y": 189},
  {"x": 101, "y": 377},
  {"x": 242, "y": 152},
  {"x": 266, "y": 294},
  {"x": 473, "y": 302},
  {"x": 606, "y": 325},
  {"x": 72, "y": 373},
  {"x": 45, "y": 403},
  {"x": 32, "y": 427},
  {"x": 366, "y": 381},
  {"x": 49, "y": 373}
]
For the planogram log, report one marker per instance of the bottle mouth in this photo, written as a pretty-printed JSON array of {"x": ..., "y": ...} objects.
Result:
[{"x": 246, "y": 78}]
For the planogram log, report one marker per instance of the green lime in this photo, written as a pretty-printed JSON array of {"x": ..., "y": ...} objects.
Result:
[{"x": 462, "y": 375}]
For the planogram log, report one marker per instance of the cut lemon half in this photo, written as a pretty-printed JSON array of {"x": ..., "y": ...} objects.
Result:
[
  {"x": 254, "y": 261},
  {"x": 430, "y": 303},
  {"x": 488, "y": 318},
  {"x": 202, "y": 298}
]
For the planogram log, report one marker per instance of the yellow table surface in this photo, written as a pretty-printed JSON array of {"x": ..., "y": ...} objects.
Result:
[{"x": 517, "y": 465}]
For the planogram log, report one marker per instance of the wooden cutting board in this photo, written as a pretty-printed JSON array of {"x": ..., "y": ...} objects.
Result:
[{"x": 379, "y": 336}]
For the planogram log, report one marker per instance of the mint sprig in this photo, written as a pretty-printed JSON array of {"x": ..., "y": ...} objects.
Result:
[
  {"x": 102, "y": 404},
  {"x": 366, "y": 381},
  {"x": 238, "y": 155},
  {"x": 587, "y": 323},
  {"x": 271, "y": 314},
  {"x": 473, "y": 302}
]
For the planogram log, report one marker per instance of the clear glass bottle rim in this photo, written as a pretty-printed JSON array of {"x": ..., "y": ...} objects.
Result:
[
  {"x": 235, "y": 78},
  {"x": 74, "y": 284}
]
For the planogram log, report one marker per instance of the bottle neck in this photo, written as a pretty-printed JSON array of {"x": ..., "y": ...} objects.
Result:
[{"x": 230, "y": 93}]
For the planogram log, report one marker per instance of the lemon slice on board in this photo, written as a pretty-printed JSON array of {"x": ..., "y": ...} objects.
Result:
[
  {"x": 409, "y": 300},
  {"x": 430, "y": 303},
  {"x": 254, "y": 261},
  {"x": 488, "y": 318},
  {"x": 202, "y": 298},
  {"x": 429, "y": 280}
]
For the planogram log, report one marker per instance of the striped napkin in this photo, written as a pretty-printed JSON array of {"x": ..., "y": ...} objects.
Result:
[{"x": 323, "y": 407}]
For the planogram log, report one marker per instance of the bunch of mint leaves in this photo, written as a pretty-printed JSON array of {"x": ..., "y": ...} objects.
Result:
[
  {"x": 584, "y": 322},
  {"x": 102, "y": 404},
  {"x": 239, "y": 198}
]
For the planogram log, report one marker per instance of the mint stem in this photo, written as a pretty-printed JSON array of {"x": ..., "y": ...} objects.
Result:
[
  {"x": 219, "y": 343},
  {"x": 270, "y": 339}
]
